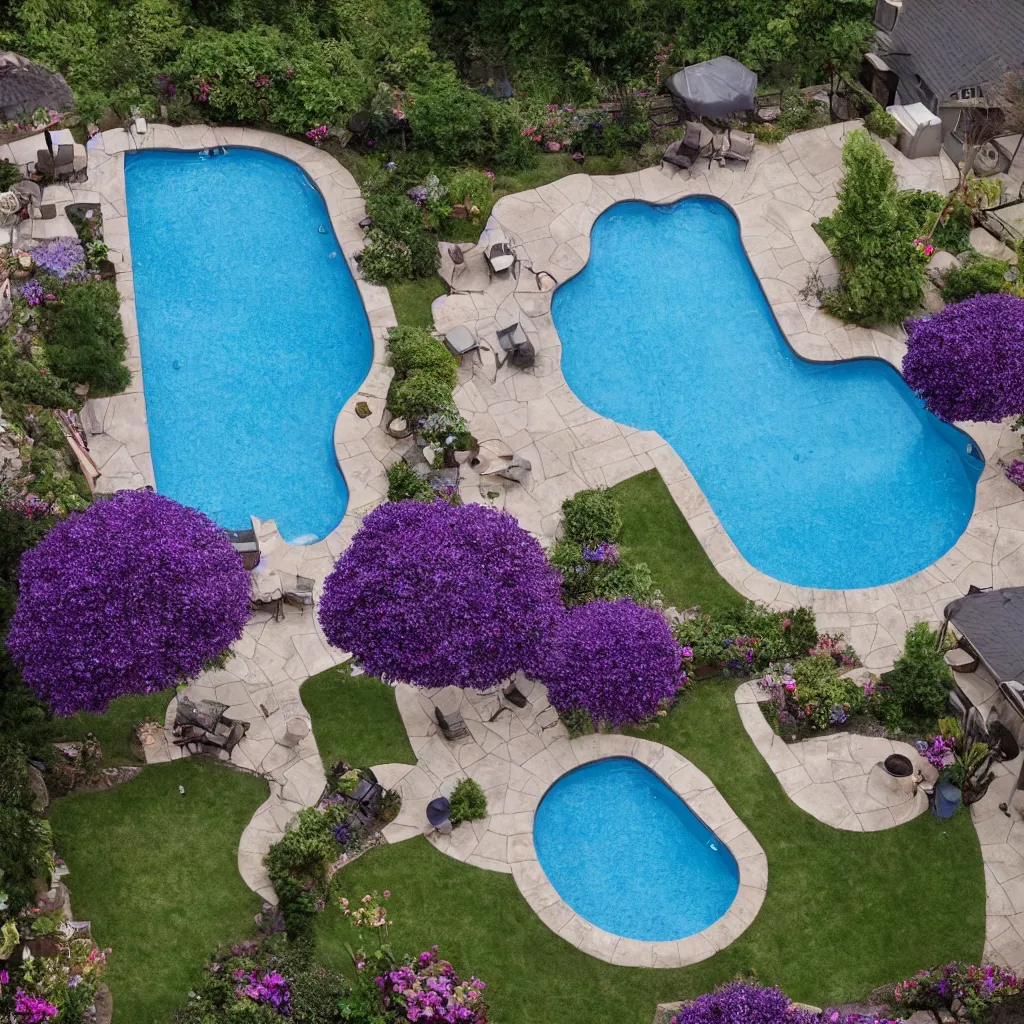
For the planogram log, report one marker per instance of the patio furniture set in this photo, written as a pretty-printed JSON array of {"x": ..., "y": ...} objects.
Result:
[
  {"x": 204, "y": 726},
  {"x": 271, "y": 589}
]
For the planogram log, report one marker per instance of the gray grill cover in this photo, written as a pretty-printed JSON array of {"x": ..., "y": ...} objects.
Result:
[
  {"x": 26, "y": 86},
  {"x": 993, "y": 622},
  {"x": 715, "y": 88}
]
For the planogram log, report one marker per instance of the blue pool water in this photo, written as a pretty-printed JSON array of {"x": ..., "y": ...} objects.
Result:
[
  {"x": 824, "y": 475},
  {"x": 253, "y": 336},
  {"x": 629, "y": 856}
]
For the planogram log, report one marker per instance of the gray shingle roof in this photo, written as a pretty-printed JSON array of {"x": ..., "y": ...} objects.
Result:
[
  {"x": 954, "y": 44},
  {"x": 25, "y": 86}
]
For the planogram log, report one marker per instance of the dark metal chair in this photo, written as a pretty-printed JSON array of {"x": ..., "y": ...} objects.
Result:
[
  {"x": 247, "y": 544},
  {"x": 300, "y": 593},
  {"x": 516, "y": 346},
  {"x": 451, "y": 723}
]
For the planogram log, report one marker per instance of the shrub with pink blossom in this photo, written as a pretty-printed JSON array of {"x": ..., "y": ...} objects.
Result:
[
  {"x": 615, "y": 660},
  {"x": 426, "y": 988},
  {"x": 976, "y": 986},
  {"x": 131, "y": 596},
  {"x": 967, "y": 362},
  {"x": 436, "y": 594}
]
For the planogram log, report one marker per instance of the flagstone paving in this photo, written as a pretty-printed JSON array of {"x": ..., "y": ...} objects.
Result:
[{"x": 515, "y": 758}]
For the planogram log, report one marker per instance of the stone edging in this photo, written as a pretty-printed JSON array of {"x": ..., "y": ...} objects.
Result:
[
  {"x": 776, "y": 200},
  {"x": 118, "y": 425}
]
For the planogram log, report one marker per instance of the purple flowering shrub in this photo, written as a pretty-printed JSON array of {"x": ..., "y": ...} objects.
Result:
[
  {"x": 426, "y": 988},
  {"x": 130, "y": 596},
  {"x": 743, "y": 1003},
  {"x": 62, "y": 257},
  {"x": 1015, "y": 472},
  {"x": 438, "y": 595},
  {"x": 967, "y": 362},
  {"x": 615, "y": 660}
]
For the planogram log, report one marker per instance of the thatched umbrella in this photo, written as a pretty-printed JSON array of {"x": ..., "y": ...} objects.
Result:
[{"x": 26, "y": 86}]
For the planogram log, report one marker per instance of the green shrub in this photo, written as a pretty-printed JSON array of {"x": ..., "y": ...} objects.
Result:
[
  {"x": 385, "y": 259},
  {"x": 22, "y": 381},
  {"x": 881, "y": 123},
  {"x": 404, "y": 484},
  {"x": 468, "y": 802},
  {"x": 418, "y": 395},
  {"x": 592, "y": 518},
  {"x": 979, "y": 275},
  {"x": 608, "y": 580},
  {"x": 84, "y": 338},
  {"x": 297, "y": 864},
  {"x": 954, "y": 233},
  {"x": 471, "y": 187},
  {"x": 25, "y": 838},
  {"x": 871, "y": 234},
  {"x": 398, "y": 217},
  {"x": 920, "y": 680},
  {"x": 10, "y": 174},
  {"x": 415, "y": 348}
]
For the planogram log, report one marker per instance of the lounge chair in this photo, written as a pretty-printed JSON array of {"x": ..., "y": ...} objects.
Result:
[
  {"x": 247, "y": 544},
  {"x": 451, "y": 723},
  {"x": 461, "y": 341},
  {"x": 696, "y": 142},
  {"x": 738, "y": 148},
  {"x": 299, "y": 592},
  {"x": 499, "y": 254}
]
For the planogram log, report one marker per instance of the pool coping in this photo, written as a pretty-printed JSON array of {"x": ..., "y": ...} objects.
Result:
[
  {"x": 362, "y": 448},
  {"x": 551, "y": 229},
  {"x": 708, "y": 806}
]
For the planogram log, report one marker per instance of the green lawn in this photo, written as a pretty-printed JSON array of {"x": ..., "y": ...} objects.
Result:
[
  {"x": 157, "y": 874},
  {"x": 844, "y": 911},
  {"x": 411, "y": 300},
  {"x": 656, "y": 532},
  {"x": 355, "y": 719},
  {"x": 114, "y": 728}
]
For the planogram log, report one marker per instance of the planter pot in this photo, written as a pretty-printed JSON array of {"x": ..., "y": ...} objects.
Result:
[{"x": 398, "y": 428}]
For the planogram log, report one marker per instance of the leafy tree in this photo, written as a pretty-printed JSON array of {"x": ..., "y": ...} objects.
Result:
[
  {"x": 920, "y": 680},
  {"x": 871, "y": 234},
  {"x": 439, "y": 595}
]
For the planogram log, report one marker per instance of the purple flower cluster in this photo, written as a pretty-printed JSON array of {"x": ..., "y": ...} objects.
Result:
[
  {"x": 428, "y": 989},
  {"x": 130, "y": 596},
  {"x": 938, "y": 753},
  {"x": 1015, "y": 472},
  {"x": 440, "y": 594},
  {"x": 604, "y": 552},
  {"x": 957, "y": 981},
  {"x": 740, "y": 1003},
  {"x": 267, "y": 988},
  {"x": 33, "y": 1009},
  {"x": 62, "y": 257},
  {"x": 32, "y": 292},
  {"x": 967, "y": 362},
  {"x": 614, "y": 659}
]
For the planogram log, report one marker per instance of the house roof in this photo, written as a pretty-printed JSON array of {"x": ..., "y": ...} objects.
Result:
[{"x": 954, "y": 44}]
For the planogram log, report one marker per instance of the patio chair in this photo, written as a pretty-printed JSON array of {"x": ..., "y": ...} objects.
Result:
[
  {"x": 300, "y": 593},
  {"x": 247, "y": 544},
  {"x": 512, "y": 340},
  {"x": 227, "y": 743},
  {"x": 64, "y": 162},
  {"x": 460, "y": 341},
  {"x": 80, "y": 162},
  {"x": 685, "y": 152},
  {"x": 29, "y": 192},
  {"x": 451, "y": 723},
  {"x": 500, "y": 255},
  {"x": 739, "y": 147}
]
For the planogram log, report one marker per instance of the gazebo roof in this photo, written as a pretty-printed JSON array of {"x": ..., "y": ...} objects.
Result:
[
  {"x": 993, "y": 623},
  {"x": 26, "y": 86}
]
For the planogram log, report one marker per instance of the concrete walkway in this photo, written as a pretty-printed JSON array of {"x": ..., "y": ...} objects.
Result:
[{"x": 515, "y": 758}]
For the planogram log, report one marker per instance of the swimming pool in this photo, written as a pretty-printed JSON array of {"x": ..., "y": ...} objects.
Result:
[
  {"x": 827, "y": 475},
  {"x": 629, "y": 856},
  {"x": 253, "y": 336}
]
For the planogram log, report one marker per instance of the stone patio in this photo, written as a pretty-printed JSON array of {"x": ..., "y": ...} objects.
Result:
[
  {"x": 515, "y": 758},
  {"x": 536, "y": 415}
]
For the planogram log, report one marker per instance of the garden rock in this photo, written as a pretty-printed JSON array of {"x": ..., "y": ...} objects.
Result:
[
  {"x": 515, "y": 469},
  {"x": 37, "y": 784},
  {"x": 931, "y": 299},
  {"x": 940, "y": 265},
  {"x": 989, "y": 245},
  {"x": 104, "y": 1005}
]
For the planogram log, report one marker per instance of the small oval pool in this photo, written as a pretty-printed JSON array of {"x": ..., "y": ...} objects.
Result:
[
  {"x": 627, "y": 854},
  {"x": 825, "y": 475},
  {"x": 253, "y": 336}
]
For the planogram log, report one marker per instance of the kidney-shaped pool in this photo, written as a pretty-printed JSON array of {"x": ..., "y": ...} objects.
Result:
[
  {"x": 253, "y": 336},
  {"x": 628, "y": 855},
  {"x": 825, "y": 475}
]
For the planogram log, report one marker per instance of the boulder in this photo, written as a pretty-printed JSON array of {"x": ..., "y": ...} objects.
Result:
[
  {"x": 515, "y": 469},
  {"x": 989, "y": 245},
  {"x": 104, "y": 1005},
  {"x": 931, "y": 299},
  {"x": 940, "y": 264},
  {"x": 40, "y": 794}
]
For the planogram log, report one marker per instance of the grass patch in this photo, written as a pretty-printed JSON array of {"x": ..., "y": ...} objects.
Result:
[
  {"x": 115, "y": 726},
  {"x": 157, "y": 874},
  {"x": 355, "y": 718},
  {"x": 833, "y": 899},
  {"x": 656, "y": 532},
  {"x": 411, "y": 300}
]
